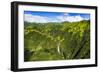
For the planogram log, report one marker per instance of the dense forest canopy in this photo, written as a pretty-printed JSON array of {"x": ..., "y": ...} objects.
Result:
[{"x": 56, "y": 41}]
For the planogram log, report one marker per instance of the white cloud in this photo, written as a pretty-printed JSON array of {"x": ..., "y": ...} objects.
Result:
[
  {"x": 35, "y": 18},
  {"x": 70, "y": 18},
  {"x": 86, "y": 18},
  {"x": 74, "y": 18}
]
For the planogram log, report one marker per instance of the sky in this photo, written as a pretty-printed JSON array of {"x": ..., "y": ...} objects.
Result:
[{"x": 45, "y": 17}]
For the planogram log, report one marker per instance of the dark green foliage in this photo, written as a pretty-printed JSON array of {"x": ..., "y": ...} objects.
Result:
[{"x": 56, "y": 41}]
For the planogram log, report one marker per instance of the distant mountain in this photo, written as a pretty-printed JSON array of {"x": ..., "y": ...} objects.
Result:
[{"x": 55, "y": 22}]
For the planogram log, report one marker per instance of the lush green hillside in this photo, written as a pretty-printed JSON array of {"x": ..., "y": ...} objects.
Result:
[{"x": 56, "y": 41}]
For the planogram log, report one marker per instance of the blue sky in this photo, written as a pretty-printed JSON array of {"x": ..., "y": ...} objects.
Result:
[{"x": 44, "y": 17}]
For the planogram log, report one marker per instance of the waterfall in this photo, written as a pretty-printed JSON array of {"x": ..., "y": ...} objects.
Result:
[{"x": 58, "y": 47}]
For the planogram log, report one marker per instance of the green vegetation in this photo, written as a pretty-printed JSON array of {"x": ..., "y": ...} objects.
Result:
[{"x": 56, "y": 41}]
